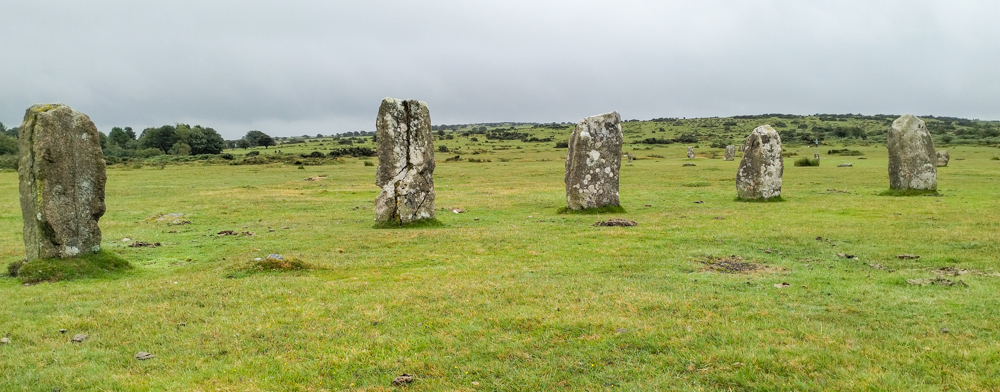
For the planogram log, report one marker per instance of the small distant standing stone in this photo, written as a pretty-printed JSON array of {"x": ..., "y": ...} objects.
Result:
[
  {"x": 816, "y": 157},
  {"x": 911, "y": 155},
  {"x": 142, "y": 356},
  {"x": 62, "y": 176},
  {"x": 593, "y": 162},
  {"x": 78, "y": 338},
  {"x": 730, "y": 152},
  {"x": 405, "y": 162},
  {"x": 845, "y": 165},
  {"x": 690, "y": 153},
  {"x": 759, "y": 175},
  {"x": 943, "y": 158}
]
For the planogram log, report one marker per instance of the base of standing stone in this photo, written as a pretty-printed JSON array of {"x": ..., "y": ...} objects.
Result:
[
  {"x": 774, "y": 199},
  {"x": 909, "y": 192},
  {"x": 56, "y": 269},
  {"x": 417, "y": 224},
  {"x": 594, "y": 211}
]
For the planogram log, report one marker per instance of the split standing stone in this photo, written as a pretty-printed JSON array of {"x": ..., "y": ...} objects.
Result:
[
  {"x": 61, "y": 176},
  {"x": 911, "y": 155},
  {"x": 943, "y": 158},
  {"x": 405, "y": 162},
  {"x": 759, "y": 175},
  {"x": 593, "y": 162},
  {"x": 730, "y": 152},
  {"x": 690, "y": 153}
]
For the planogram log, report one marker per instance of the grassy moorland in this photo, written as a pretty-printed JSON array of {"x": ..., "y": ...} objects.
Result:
[{"x": 511, "y": 295}]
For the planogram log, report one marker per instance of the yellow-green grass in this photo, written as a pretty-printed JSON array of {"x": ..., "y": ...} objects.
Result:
[{"x": 514, "y": 296}]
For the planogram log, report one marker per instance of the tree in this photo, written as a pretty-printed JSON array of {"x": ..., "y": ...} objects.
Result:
[
  {"x": 243, "y": 143},
  {"x": 8, "y": 145},
  {"x": 180, "y": 148},
  {"x": 205, "y": 141},
  {"x": 162, "y": 138},
  {"x": 121, "y": 138},
  {"x": 253, "y": 137},
  {"x": 266, "y": 141}
]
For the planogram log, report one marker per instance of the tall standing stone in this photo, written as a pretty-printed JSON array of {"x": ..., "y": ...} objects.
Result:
[
  {"x": 405, "y": 162},
  {"x": 911, "y": 155},
  {"x": 942, "y": 158},
  {"x": 730, "y": 152},
  {"x": 759, "y": 175},
  {"x": 593, "y": 161},
  {"x": 690, "y": 153},
  {"x": 61, "y": 176}
]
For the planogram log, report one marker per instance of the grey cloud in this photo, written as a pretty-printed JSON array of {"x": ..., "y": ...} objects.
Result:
[{"x": 306, "y": 67}]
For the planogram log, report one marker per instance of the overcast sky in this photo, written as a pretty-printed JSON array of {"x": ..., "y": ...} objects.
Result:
[{"x": 306, "y": 67}]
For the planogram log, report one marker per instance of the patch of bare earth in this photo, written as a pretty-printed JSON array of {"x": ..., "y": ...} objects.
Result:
[{"x": 735, "y": 264}]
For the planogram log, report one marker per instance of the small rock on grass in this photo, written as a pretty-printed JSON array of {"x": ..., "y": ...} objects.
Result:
[
  {"x": 908, "y": 257},
  {"x": 142, "y": 355},
  {"x": 79, "y": 338},
  {"x": 4, "y": 340},
  {"x": 616, "y": 222},
  {"x": 402, "y": 379}
]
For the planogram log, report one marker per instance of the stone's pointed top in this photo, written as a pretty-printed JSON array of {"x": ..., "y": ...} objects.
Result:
[
  {"x": 907, "y": 121},
  {"x": 608, "y": 115},
  {"x": 764, "y": 128},
  {"x": 45, "y": 107}
]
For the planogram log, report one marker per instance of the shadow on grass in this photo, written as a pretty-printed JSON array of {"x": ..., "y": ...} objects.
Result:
[
  {"x": 594, "y": 211},
  {"x": 100, "y": 264},
  {"x": 909, "y": 192},
  {"x": 776, "y": 199},
  {"x": 420, "y": 224}
]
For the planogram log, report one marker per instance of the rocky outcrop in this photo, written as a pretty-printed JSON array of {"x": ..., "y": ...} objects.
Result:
[
  {"x": 593, "y": 161},
  {"x": 759, "y": 175},
  {"x": 62, "y": 176},
  {"x": 405, "y": 162},
  {"x": 912, "y": 158}
]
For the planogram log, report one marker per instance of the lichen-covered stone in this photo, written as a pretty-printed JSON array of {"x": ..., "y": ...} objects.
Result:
[
  {"x": 759, "y": 175},
  {"x": 61, "y": 176},
  {"x": 730, "y": 152},
  {"x": 911, "y": 155},
  {"x": 593, "y": 161},
  {"x": 690, "y": 153},
  {"x": 405, "y": 162},
  {"x": 942, "y": 158}
]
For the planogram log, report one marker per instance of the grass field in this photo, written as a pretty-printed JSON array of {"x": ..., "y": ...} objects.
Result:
[{"x": 511, "y": 295}]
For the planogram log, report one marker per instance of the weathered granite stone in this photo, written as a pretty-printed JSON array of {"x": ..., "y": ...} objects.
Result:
[
  {"x": 593, "y": 161},
  {"x": 62, "y": 175},
  {"x": 759, "y": 175},
  {"x": 730, "y": 152},
  {"x": 405, "y": 162},
  {"x": 911, "y": 155},
  {"x": 690, "y": 153},
  {"x": 816, "y": 157},
  {"x": 943, "y": 158}
]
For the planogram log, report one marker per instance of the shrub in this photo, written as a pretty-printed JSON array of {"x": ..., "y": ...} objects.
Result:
[
  {"x": 253, "y": 153},
  {"x": 369, "y": 163},
  {"x": 562, "y": 144},
  {"x": 443, "y": 148},
  {"x": 227, "y": 156},
  {"x": 148, "y": 152},
  {"x": 806, "y": 161},
  {"x": 353, "y": 151},
  {"x": 8, "y": 162}
]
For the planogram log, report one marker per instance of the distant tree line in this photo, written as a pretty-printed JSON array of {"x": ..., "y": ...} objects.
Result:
[{"x": 177, "y": 139}]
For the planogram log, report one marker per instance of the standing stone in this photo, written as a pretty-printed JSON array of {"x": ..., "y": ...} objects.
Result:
[
  {"x": 690, "y": 153},
  {"x": 816, "y": 157},
  {"x": 911, "y": 155},
  {"x": 759, "y": 175},
  {"x": 730, "y": 152},
  {"x": 593, "y": 161},
  {"x": 61, "y": 176},
  {"x": 405, "y": 162},
  {"x": 943, "y": 158}
]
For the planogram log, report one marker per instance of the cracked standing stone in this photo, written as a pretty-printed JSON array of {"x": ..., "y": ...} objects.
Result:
[
  {"x": 912, "y": 158},
  {"x": 62, "y": 176},
  {"x": 405, "y": 162},
  {"x": 759, "y": 175},
  {"x": 593, "y": 162}
]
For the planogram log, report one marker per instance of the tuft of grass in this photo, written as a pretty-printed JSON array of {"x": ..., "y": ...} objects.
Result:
[
  {"x": 909, "y": 192},
  {"x": 420, "y": 224},
  {"x": 369, "y": 163},
  {"x": 594, "y": 211},
  {"x": 775, "y": 199},
  {"x": 696, "y": 184},
  {"x": 94, "y": 265},
  {"x": 805, "y": 161}
]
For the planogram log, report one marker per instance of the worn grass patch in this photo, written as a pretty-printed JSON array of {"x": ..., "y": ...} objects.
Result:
[
  {"x": 420, "y": 224},
  {"x": 594, "y": 211},
  {"x": 95, "y": 265},
  {"x": 909, "y": 192}
]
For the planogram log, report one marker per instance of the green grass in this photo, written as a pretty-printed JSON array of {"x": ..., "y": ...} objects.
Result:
[
  {"x": 805, "y": 161},
  {"x": 95, "y": 265},
  {"x": 417, "y": 224},
  {"x": 593, "y": 211},
  {"x": 909, "y": 192},
  {"x": 775, "y": 199},
  {"x": 514, "y": 296}
]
